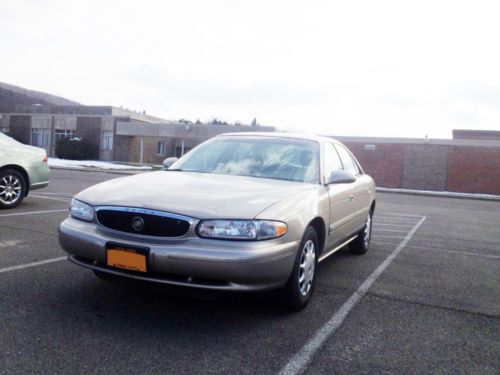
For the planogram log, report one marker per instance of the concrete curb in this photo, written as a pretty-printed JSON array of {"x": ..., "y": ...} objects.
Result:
[
  {"x": 445, "y": 194},
  {"x": 110, "y": 171}
]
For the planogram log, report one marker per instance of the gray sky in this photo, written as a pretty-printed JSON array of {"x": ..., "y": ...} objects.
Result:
[{"x": 374, "y": 68}]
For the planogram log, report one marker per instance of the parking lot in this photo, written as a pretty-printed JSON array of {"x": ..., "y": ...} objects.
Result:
[{"x": 424, "y": 299}]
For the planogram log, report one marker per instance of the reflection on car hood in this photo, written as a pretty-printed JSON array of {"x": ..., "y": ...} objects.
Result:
[{"x": 199, "y": 195}]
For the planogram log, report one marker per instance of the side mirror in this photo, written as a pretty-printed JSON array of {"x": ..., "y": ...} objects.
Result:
[
  {"x": 340, "y": 177},
  {"x": 169, "y": 161}
]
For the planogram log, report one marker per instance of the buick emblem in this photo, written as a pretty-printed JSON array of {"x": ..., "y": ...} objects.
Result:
[{"x": 138, "y": 223}]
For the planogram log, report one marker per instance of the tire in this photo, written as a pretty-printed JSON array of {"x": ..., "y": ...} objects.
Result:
[
  {"x": 296, "y": 293},
  {"x": 12, "y": 188},
  {"x": 362, "y": 243}
]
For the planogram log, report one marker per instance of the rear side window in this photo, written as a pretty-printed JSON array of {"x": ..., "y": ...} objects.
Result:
[
  {"x": 332, "y": 161},
  {"x": 347, "y": 160}
]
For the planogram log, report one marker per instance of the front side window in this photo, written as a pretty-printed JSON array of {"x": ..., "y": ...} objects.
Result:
[
  {"x": 332, "y": 160},
  {"x": 40, "y": 137},
  {"x": 106, "y": 140},
  {"x": 265, "y": 157},
  {"x": 347, "y": 160},
  {"x": 4, "y": 130}
]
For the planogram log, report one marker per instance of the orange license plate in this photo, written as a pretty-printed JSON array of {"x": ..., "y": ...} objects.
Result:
[{"x": 127, "y": 258}]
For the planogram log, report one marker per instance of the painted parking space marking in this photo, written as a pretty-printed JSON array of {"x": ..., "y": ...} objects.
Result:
[
  {"x": 395, "y": 219},
  {"x": 393, "y": 225},
  {"x": 398, "y": 214},
  {"x": 34, "y": 212},
  {"x": 299, "y": 362},
  {"x": 50, "y": 198},
  {"x": 437, "y": 249},
  {"x": 399, "y": 237},
  {"x": 390, "y": 230},
  {"x": 30, "y": 265},
  {"x": 6, "y": 244}
]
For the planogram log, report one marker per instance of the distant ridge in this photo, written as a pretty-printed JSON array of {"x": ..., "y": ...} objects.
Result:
[{"x": 11, "y": 95}]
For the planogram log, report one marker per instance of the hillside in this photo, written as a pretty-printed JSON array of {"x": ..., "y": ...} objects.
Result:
[{"x": 11, "y": 96}]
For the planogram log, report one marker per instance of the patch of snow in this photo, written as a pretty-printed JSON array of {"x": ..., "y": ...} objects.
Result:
[{"x": 80, "y": 164}]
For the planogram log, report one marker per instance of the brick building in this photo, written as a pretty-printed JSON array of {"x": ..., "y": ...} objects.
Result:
[
  {"x": 42, "y": 125},
  {"x": 457, "y": 165},
  {"x": 121, "y": 135}
]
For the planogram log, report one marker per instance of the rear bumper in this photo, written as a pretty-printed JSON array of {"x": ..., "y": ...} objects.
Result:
[
  {"x": 193, "y": 262},
  {"x": 39, "y": 185},
  {"x": 39, "y": 176}
]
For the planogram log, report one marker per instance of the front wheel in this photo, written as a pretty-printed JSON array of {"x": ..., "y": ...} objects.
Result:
[
  {"x": 12, "y": 188},
  {"x": 361, "y": 244},
  {"x": 300, "y": 285}
]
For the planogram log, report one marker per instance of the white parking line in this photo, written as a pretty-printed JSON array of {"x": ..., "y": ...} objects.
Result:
[
  {"x": 29, "y": 265},
  {"x": 376, "y": 235},
  {"x": 390, "y": 230},
  {"x": 33, "y": 212},
  {"x": 50, "y": 198},
  {"x": 468, "y": 253},
  {"x": 301, "y": 360},
  {"x": 396, "y": 219},
  {"x": 398, "y": 214},
  {"x": 393, "y": 225}
]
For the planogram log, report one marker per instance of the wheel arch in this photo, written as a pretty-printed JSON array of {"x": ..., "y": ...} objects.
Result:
[
  {"x": 21, "y": 170},
  {"x": 318, "y": 224}
]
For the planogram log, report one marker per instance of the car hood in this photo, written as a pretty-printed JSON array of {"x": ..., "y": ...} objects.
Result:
[{"x": 198, "y": 195}]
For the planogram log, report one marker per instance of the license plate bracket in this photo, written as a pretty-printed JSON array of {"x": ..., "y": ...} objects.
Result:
[{"x": 130, "y": 258}]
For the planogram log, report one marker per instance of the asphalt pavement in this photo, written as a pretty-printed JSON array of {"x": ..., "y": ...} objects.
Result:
[{"x": 424, "y": 299}]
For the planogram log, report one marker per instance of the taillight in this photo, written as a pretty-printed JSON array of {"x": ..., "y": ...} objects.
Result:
[{"x": 45, "y": 158}]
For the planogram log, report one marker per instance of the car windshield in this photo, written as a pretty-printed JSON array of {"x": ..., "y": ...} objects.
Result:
[{"x": 265, "y": 157}]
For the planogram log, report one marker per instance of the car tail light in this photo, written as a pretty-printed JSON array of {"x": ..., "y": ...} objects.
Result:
[{"x": 45, "y": 158}]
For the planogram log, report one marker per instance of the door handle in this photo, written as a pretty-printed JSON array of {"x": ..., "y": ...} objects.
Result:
[{"x": 351, "y": 197}]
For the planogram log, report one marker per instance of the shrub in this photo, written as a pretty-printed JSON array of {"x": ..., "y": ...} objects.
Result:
[{"x": 76, "y": 148}]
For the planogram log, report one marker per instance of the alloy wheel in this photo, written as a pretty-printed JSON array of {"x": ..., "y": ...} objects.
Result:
[
  {"x": 368, "y": 231},
  {"x": 306, "y": 267},
  {"x": 10, "y": 189}
]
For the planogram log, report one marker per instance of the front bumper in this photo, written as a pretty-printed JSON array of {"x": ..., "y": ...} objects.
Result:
[{"x": 193, "y": 262}]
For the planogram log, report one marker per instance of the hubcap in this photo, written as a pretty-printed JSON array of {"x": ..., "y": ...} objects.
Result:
[
  {"x": 10, "y": 189},
  {"x": 306, "y": 267},
  {"x": 368, "y": 231}
]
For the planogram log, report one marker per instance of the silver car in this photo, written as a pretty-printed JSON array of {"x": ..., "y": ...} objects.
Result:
[
  {"x": 240, "y": 212},
  {"x": 22, "y": 169}
]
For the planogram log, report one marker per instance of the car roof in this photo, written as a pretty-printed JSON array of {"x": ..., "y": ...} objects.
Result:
[{"x": 309, "y": 137}]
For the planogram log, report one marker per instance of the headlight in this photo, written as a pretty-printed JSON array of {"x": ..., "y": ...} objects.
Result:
[
  {"x": 241, "y": 229},
  {"x": 81, "y": 211}
]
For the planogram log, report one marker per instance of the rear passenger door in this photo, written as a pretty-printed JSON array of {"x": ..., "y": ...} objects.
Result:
[{"x": 360, "y": 194}]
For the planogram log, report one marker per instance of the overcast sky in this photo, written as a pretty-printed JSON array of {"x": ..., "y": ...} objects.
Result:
[{"x": 374, "y": 68}]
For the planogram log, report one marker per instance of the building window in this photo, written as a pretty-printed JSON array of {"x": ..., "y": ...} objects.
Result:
[
  {"x": 40, "y": 137},
  {"x": 160, "y": 148},
  {"x": 179, "y": 153},
  {"x": 64, "y": 133},
  {"x": 106, "y": 140}
]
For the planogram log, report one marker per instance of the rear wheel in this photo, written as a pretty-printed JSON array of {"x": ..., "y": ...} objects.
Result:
[
  {"x": 12, "y": 188},
  {"x": 300, "y": 285},
  {"x": 361, "y": 244}
]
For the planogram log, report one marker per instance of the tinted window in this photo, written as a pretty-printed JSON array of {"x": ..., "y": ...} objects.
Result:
[
  {"x": 347, "y": 161},
  {"x": 332, "y": 161}
]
